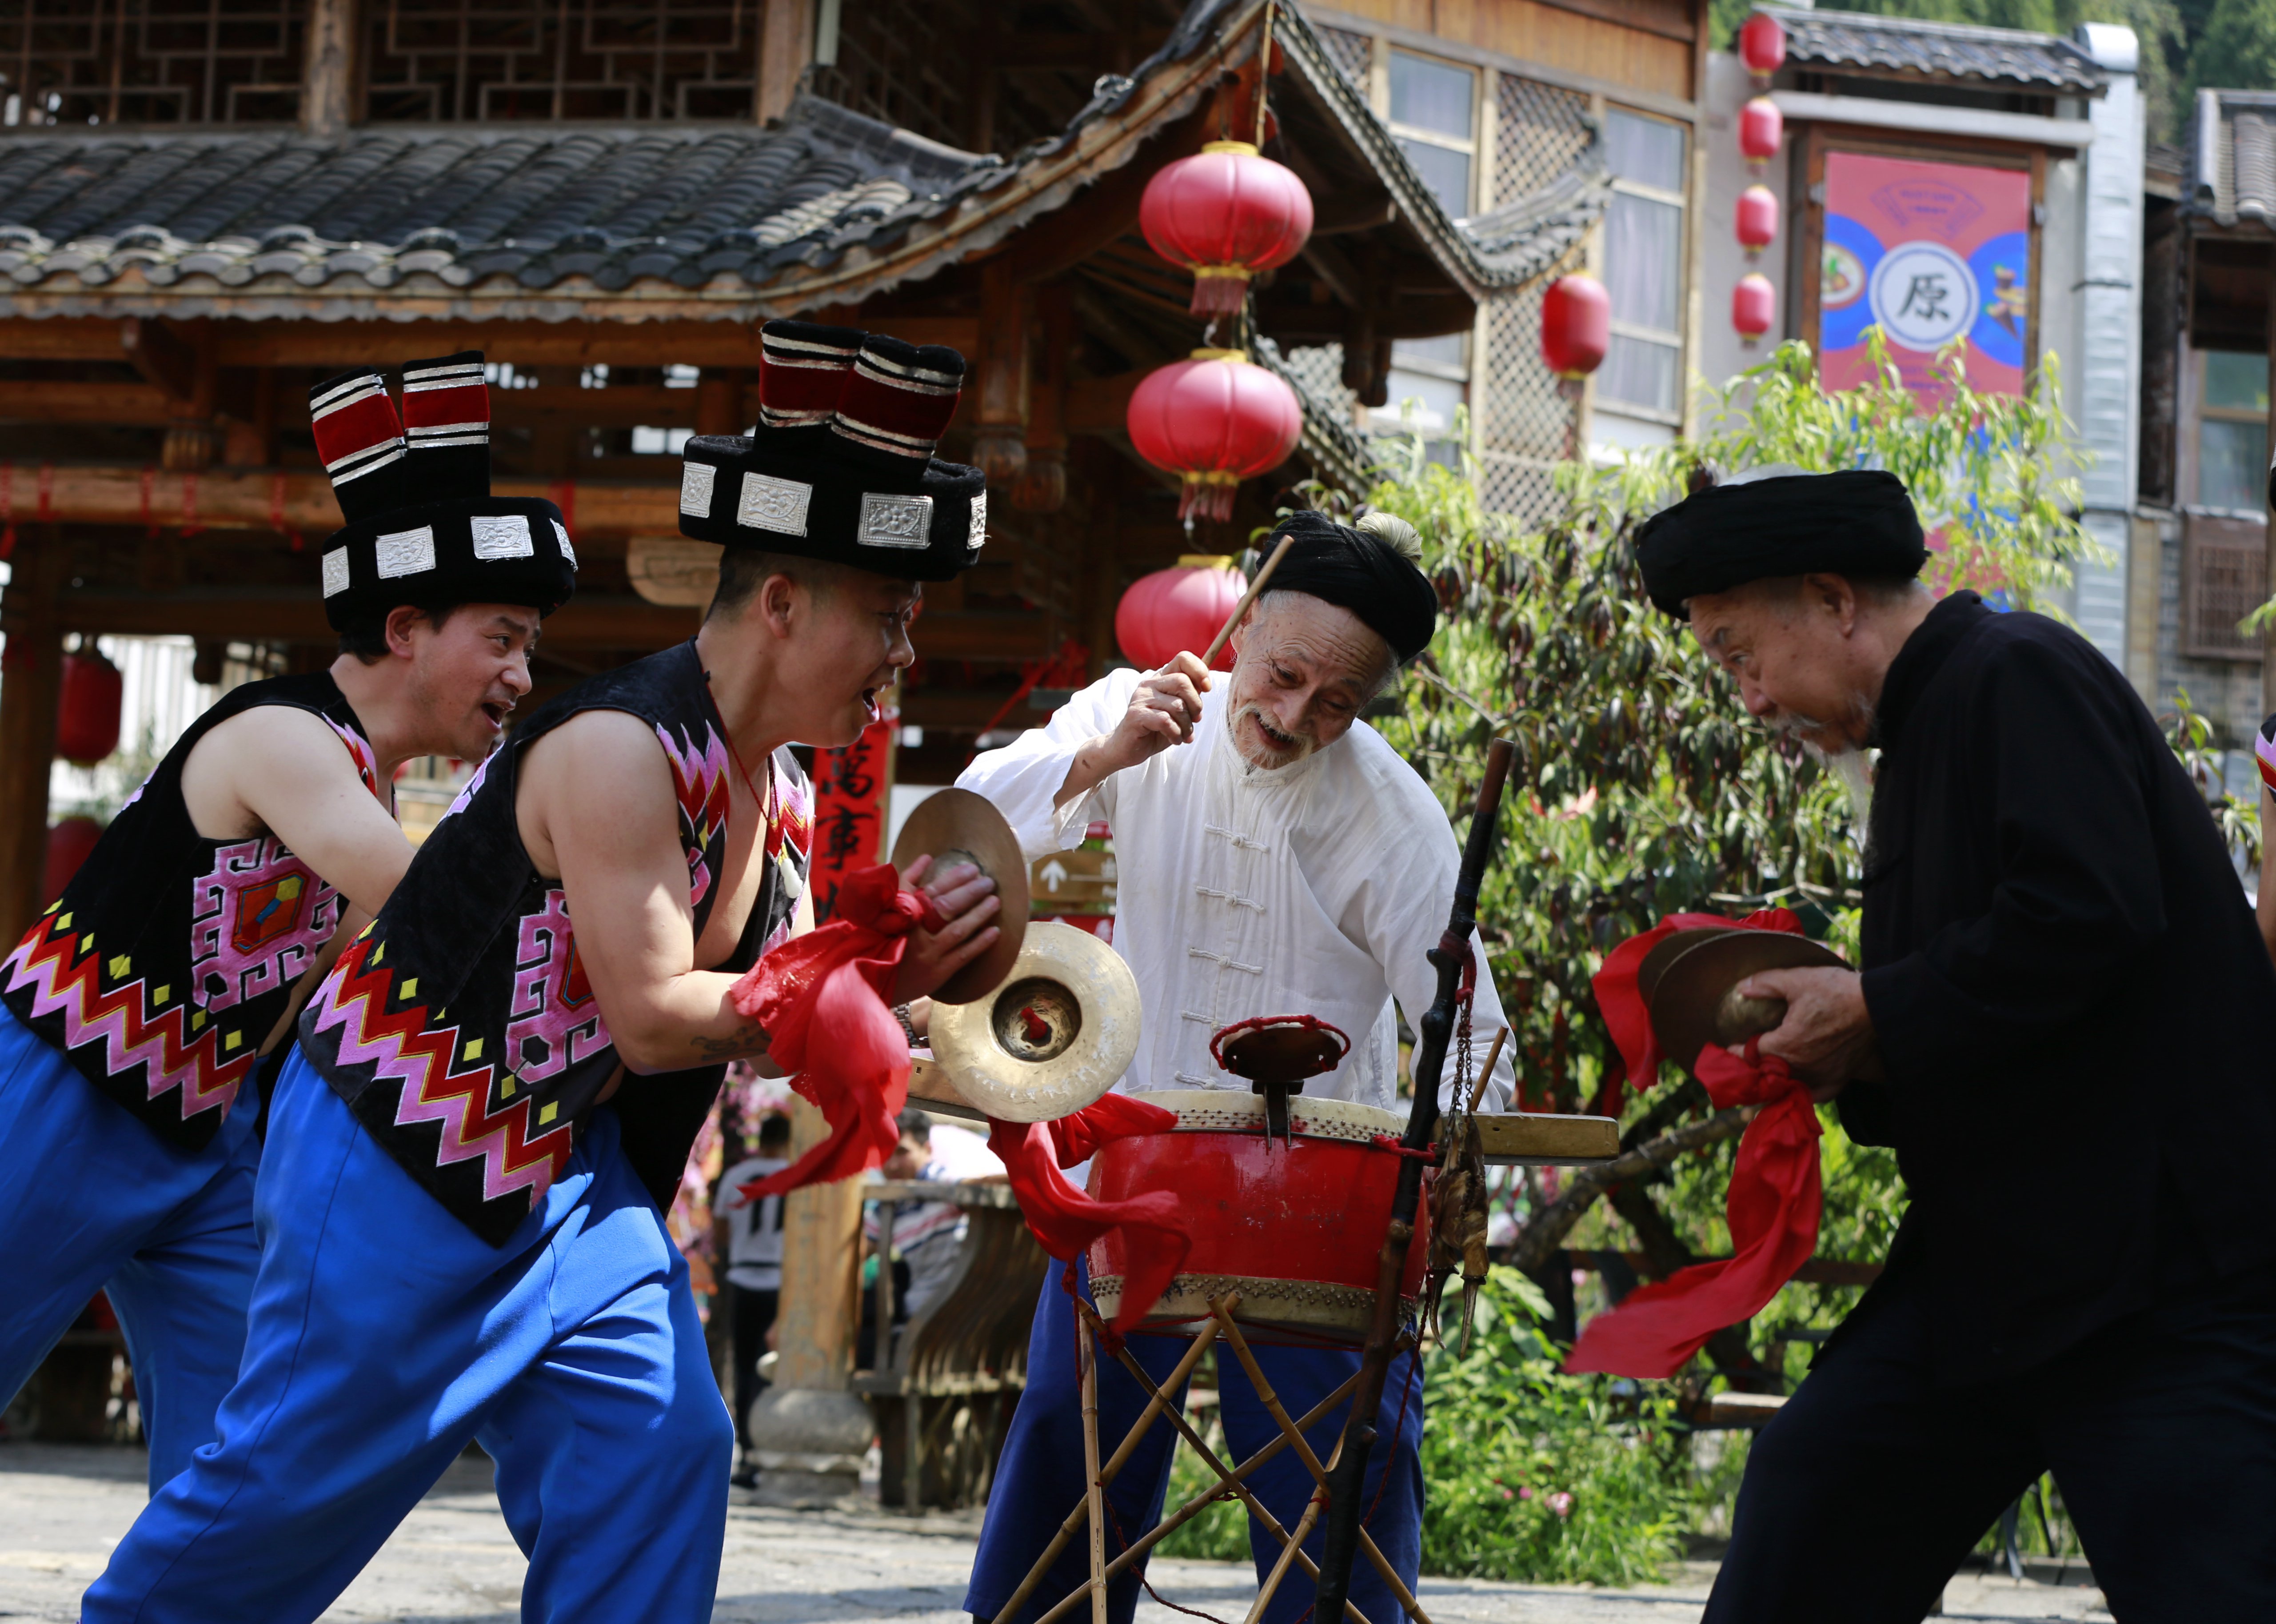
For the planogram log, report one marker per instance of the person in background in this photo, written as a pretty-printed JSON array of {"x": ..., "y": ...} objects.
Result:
[
  {"x": 926, "y": 1234},
  {"x": 752, "y": 1243}
]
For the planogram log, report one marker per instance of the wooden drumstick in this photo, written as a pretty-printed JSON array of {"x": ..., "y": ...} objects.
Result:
[
  {"x": 1479, "y": 1089},
  {"x": 1248, "y": 598}
]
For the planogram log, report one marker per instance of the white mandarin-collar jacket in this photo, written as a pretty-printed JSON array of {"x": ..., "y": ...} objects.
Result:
[{"x": 1312, "y": 890}]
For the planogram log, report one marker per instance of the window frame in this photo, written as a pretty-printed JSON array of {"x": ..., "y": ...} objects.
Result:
[
  {"x": 2204, "y": 411},
  {"x": 1676, "y": 338},
  {"x": 1468, "y": 146}
]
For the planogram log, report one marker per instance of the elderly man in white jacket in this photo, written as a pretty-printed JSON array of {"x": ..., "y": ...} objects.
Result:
[{"x": 1276, "y": 857}]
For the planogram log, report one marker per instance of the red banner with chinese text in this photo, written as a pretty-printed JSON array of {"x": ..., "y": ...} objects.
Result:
[{"x": 851, "y": 789}]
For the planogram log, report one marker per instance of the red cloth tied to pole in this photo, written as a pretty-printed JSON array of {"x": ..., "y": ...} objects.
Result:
[
  {"x": 822, "y": 999},
  {"x": 1065, "y": 1220},
  {"x": 1776, "y": 1197}
]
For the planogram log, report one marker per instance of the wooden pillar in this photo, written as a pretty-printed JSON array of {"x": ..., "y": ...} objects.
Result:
[
  {"x": 1042, "y": 484},
  {"x": 328, "y": 69},
  {"x": 808, "y": 1430},
  {"x": 786, "y": 46},
  {"x": 822, "y": 1270},
  {"x": 31, "y": 674},
  {"x": 999, "y": 443}
]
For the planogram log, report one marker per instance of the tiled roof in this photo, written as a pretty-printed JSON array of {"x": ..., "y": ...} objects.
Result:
[
  {"x": 2232, "y": 156},
  {"x": 612, "y": 205},
  {"x": 252, "y": 222},
  {"x": 1992, "y": 56}
]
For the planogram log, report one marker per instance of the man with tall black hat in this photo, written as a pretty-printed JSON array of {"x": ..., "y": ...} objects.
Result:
[
  {"x": 463, "y": 1193},
  {"x": 1274, "y": 856},
  {"x": 2065, "y": 1025},
  {"x": 167, "y": 968}
]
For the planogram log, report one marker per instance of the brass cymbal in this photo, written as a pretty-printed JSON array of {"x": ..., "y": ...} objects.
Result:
[
  {"x": 1055, "y": 1036},
  {"x": 1695, "y": 1000},
  {"x": 957, "y": 826}
]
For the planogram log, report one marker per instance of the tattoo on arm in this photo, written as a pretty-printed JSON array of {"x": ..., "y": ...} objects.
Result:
[{"x": 746, "y": 1042}]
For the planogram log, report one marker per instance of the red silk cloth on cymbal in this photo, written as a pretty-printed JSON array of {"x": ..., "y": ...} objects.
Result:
[
  {"x": 1775, "y": 1200},
  {"x": 822, "y": 998},
  {"x": 1064, "y": 1219}
]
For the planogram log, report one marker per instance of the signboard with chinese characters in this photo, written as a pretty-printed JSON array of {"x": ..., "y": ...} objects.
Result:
[
  {"x": 851, "y": 788},
  {"x": 1932, "y": 254}
]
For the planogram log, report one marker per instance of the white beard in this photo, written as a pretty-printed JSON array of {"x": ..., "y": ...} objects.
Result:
[{"x": 1856, "y": 776}]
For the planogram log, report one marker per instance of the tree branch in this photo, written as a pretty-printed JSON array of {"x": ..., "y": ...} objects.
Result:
[{"x": 1541, "y": 1235}]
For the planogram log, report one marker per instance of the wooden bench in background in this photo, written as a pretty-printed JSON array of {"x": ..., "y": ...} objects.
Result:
[{"x": 956, "y": 1369}]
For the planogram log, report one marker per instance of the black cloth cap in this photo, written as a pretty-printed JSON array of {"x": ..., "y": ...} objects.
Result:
[
  {"x": 414, "y": 487},
  {"x": 498, "y": 550},
  {"x": 1859, "y": 523},
  {"x": 1361, "y": 572}
]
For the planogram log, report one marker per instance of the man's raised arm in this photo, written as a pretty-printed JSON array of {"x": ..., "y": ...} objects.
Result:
[{"x": 596, "y": 806}]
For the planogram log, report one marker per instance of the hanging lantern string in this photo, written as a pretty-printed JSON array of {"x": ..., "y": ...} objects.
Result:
[{"x": 1264, "y": 71}]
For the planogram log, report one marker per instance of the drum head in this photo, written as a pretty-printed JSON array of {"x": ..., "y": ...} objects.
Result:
[
  {"x": 957, "y": 826},
  {"x": 1055, "y": 1036},
  {"x": 1695, "y": 1002}
]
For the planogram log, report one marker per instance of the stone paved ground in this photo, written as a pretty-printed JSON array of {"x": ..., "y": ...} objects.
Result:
[{"x": 63, "y": 1507}]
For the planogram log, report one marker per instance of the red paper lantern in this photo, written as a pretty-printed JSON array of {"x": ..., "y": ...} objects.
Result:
[
  {"x": 69, "y": 842},
  {"x": 1225, "y": 214},
  {"x": 1758, "y": 219},
  {"x": 1179, "y": 609},
  {"x": 87, "y": 708},
  {"x": 1753, "y": 303},
  {"x": 1762, "y": 128},
  {"x": 1217, "y": 418},
  {"x": 1762, "y": 45},
  {"x": 1576, "y": 326}
]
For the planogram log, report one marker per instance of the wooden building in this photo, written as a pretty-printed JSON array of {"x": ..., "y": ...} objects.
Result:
[{"x": 205, "y": 205}]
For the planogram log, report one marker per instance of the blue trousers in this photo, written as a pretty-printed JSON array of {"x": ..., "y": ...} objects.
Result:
[
  {"x": 1041, "y": 1478},
  {"x": 384, "y": 1334},
  {"x": 92, "y": 1199}
]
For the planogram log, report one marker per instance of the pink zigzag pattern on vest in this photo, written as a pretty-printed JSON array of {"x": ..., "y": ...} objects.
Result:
[
  {"x": 698, "y": 777},
  {"x": 66, "y": 977},
  {"x": 403, "y": 1047}
]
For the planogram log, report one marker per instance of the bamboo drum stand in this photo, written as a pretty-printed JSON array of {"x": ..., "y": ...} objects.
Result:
[{"x": 1161, "y": 1402}]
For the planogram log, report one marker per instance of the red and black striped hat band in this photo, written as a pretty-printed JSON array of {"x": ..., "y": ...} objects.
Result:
[
  {"x": 356, "y": 427},
  {"x": 445, "y": 402},
  {"x": 901, "y": 397},
  {"x": 802, "y": 370}
]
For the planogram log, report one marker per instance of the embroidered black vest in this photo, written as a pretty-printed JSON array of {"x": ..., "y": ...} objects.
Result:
[
  {"x": 168, "y": 956},
  {"x": 461, "y": 1028}
]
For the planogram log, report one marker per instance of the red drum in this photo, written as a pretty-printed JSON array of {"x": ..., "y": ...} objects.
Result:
[{"x": 1296, "y": 1229}]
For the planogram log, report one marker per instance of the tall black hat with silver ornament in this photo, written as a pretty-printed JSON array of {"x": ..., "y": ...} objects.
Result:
[
  {"x": 841, "y": 466},
  {"x": 422, "y": 527}
]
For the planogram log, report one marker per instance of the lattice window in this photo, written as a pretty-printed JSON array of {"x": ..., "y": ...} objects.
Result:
[
  {"x": 904, "y": 64},
  {"x": 458, "y": 61},
  {"x": 1539, "y": 131},
  {"x": 1525, "y": 426},
  {"x": 1351, "y": 52},
  {"x": 81, "y": 62},
  {"x": 2224, "y": 578}
]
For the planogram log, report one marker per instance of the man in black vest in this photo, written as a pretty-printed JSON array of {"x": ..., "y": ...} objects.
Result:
[
  {"x": 2065, "y": 1025},
  {"x": 169, "y": 965},
  {"x": 496, "y": 1089}
]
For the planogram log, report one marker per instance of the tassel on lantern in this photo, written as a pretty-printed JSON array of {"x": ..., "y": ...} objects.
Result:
[{"x": 1208, "y": 496}]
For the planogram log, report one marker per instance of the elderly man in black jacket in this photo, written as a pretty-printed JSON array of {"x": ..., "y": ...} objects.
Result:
[{"x": 2065, "y": 1025}]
